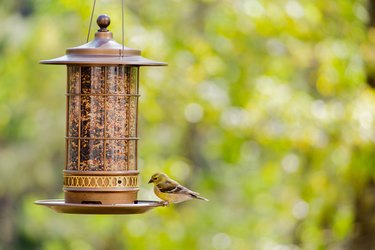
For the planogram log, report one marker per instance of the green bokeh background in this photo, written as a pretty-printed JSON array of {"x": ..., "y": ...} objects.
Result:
[{"x": 264, "y": 109}]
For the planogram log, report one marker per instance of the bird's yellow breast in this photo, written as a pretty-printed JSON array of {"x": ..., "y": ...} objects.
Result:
[{"x": 171, "y": 197}]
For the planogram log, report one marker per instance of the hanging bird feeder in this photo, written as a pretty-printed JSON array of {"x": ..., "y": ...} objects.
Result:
[{"x": 101, "y": 170}]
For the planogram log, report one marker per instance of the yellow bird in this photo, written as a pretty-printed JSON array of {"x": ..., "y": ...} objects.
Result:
[{"x": 171, "y": 191}]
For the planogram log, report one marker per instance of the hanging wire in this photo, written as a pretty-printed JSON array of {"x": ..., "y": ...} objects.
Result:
[
  {"x": 92, "y": 14},
  {"x": 122, "y": 25}
]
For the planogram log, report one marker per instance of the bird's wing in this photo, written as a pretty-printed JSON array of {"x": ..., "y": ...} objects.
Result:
[{"x": 175, "y": 188}]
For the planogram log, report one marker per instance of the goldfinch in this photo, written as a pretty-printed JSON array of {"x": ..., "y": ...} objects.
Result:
[{"x": 171, "y": 191}]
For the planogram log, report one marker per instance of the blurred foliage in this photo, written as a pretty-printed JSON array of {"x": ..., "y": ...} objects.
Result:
[{"x": 263, "y": 108}]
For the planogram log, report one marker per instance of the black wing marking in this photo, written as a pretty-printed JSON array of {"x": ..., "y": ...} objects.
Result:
[
  {"x": 172, "y": 189},
  {"x": 169, "y": 187}
]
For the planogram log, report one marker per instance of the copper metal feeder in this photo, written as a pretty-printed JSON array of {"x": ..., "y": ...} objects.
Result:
[{"x": 101, "y": 171}]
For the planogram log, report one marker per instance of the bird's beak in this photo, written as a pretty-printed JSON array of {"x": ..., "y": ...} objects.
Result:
[{"x": 150, "y": 181}]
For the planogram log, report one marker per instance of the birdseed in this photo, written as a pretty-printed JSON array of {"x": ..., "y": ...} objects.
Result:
[{"x": 102, "y": 118}]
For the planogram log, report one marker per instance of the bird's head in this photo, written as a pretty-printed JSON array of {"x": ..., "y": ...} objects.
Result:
[{"x": 158, "y": 178}]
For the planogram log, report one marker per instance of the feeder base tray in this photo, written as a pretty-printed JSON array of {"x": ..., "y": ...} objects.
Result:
[{"x": 138, "y": 207}]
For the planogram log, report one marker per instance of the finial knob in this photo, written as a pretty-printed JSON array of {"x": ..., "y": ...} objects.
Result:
[{"x": 103, "y": 21}]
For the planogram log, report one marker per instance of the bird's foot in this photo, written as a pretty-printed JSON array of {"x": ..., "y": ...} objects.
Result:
[{"x": 165, "y": 203}]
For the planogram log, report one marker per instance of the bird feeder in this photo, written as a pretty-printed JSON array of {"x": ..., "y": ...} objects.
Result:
[{"x": 101, "y": 169}]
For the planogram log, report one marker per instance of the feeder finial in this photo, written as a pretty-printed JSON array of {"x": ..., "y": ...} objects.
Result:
[{"x": 103, "y": 22}]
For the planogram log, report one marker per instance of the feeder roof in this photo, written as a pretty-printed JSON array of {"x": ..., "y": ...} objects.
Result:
[{"x": 103, "y": 50}]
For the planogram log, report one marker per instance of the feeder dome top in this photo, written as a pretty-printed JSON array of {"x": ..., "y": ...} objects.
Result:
[{"x": 103, "y": 50}]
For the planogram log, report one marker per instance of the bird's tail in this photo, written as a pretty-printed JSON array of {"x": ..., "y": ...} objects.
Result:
[{"x": 199, "y": 197}]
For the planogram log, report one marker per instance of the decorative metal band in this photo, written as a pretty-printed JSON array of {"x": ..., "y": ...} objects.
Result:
[
  {"x": 99, "y": 94},
  {"x": 84, "y": 181},
  {"x": 104, "y": 138}
]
